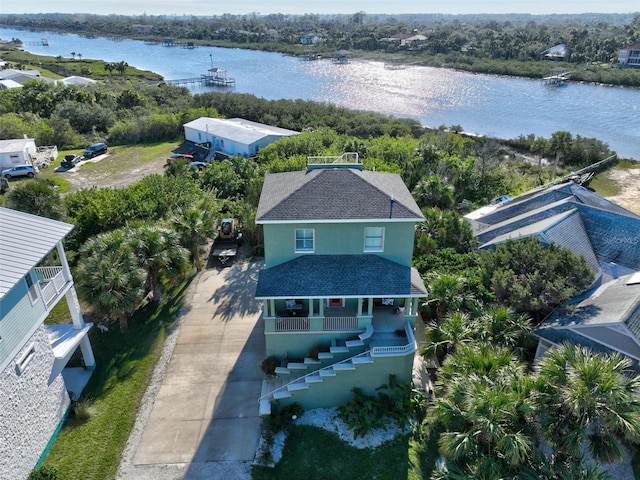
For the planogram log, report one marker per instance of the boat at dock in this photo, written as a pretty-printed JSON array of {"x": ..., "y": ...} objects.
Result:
[
  {"x": 557, "y": 78},
  {"x": 217, "y": 76}
]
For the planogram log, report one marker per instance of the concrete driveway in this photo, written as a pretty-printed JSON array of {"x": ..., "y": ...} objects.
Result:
[{"x": 199, "y": 418}]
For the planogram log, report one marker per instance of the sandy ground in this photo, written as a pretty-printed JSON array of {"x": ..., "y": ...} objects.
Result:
[{"x": 628, "y": 182}]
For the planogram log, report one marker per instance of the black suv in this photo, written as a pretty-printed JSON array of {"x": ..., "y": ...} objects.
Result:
[
  {"x": 70, "y": 161},
  {"x": 95, "y": 150}
]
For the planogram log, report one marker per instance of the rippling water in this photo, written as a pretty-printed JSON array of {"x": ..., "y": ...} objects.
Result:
[{"x": 504, "y": 107}]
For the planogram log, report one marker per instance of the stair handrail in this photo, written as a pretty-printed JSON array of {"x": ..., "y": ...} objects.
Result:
[{"x": 297, "y": 380}]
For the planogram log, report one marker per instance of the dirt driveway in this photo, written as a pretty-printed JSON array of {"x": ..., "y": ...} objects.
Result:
[{"x": 79, "y": 177}]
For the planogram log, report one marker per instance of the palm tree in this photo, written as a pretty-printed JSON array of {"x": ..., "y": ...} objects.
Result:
[
  {"x": 446, "y": 336},
  {"x": 79, "y": 55},
  {"x": 446, "y": 293},
  {"x": 109, "y": 278},
  {"x": 109, "y": 67},
  {"x": 73, "y": 55},
  {"x": 38, "y": 198},
  {"x": 160, "y": 254},
  {"x": 433, "y": 191},
  {"x": 484, "y": 410},
  {"x": 122, "y": 67},
  {"x": 195, "y": 226},
  {"x": 560, "y": 143},
  {"x": 502, "y": 326},
  {"x": 587, "y": 399}
]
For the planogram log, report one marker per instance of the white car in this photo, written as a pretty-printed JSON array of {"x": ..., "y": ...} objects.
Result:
[{"x": 20, "y": 171}]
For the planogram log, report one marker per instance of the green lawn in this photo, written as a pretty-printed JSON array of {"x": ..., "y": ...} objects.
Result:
[
  {"x": 91, "y": 449},
  {"x": 313, "y": 453}
]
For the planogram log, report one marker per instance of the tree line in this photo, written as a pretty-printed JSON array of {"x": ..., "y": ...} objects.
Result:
[{"x": 499, "y": 44}]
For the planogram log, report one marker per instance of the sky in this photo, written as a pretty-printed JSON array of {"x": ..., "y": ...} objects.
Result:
[{"x": 298, "y": 7}]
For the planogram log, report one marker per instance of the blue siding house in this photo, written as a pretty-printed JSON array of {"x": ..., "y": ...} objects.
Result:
[
  {"x": 35, "y": 385},
  {"x": 606, "y": 318},
  {"x": 340, "y": 298}
]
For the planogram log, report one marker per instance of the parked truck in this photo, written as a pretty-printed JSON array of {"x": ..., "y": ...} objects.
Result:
[{"x": 227, "y": 241}]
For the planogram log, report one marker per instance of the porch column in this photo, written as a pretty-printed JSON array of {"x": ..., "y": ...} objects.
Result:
[
  {"x": 370, "y": 307},
  {"x": 321, "y": 301},
  {"x": 66, "y": 271},
  {"x": 311, "y": 307},
  {"x": 414, "y": 306},
  {"x": 360, "y": 306},
  {"x": 87, "y": 353},
  {"x": 271, "y": 309},
  {"x": 74, "y": 308}
]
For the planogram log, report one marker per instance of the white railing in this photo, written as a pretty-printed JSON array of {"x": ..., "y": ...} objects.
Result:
[
  {"x": 302, "y": 379},
  {"x": 349, "y": 158},
  {"x": 46, "y": 274},
  {"x": 339, "y": 323},
  {"x": 292, "y": 324},
  {"x": 52, "y": 282},
  {"x": 398, "y": 349}
]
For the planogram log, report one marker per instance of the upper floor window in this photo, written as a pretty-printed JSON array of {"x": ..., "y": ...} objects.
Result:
[
  {"x": 304, "y": 240},
  {"x": 373, "y": 239},
  {"x": 33, "y": 290}
]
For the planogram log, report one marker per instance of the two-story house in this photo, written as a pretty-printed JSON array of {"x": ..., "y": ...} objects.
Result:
[
  {"x": 340, "y": 298},
  {"x": 35, "y": 386}
]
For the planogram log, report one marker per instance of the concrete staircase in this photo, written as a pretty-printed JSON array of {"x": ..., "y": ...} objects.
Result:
[
  {"x": 283, "y": 387},
  {"x": 279, "y": 388}
]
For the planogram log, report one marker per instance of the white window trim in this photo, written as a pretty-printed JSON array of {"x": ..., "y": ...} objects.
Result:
[
  {"x": 313, "y": 241},
  {"x": 373, "y": 249}
]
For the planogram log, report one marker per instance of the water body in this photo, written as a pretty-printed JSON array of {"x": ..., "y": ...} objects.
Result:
[{"x": 503, "y": 107}]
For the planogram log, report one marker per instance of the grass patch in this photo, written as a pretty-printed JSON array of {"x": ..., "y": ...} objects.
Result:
[
  {"x": 312, "y": 452},
  {"x": 604, "y": 186},
  {"x": 92, "y": 447}
]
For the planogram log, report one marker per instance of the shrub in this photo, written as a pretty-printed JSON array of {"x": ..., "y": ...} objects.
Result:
[
  {"x": 268, "y": 366},
  {"x": 43, "y": 473}
]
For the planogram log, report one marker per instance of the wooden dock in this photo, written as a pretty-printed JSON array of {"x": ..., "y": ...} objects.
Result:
[
  {"x": 43, "y": 41},
  {"x": 204, "y": 79}
]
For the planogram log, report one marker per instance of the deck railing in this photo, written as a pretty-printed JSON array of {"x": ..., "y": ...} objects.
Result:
[
  {"x": 340, "y": 323},
  {"x": 388, "y": 351},
  {"x": 52, "y": 282},
  {"x": 303, "y": 324},
  {"x": 292, "y": 324}
]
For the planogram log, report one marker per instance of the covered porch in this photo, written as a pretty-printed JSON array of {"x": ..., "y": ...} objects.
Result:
[{"x": 326, "y": 293}]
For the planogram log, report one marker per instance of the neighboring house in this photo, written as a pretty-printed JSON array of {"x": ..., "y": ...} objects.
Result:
[
  {"x": 558, "y": 52},
  {"x": 340, "y": 298},
  {"x": 22, "y": 76},
  {"x": 607, "y": 317},
  {"x": 311, "y": 39},
  {"x": 17, "y": 152},
  {"x": 234, "y": 136},
  {"x": 630, "y": 55},
  {"x": 78, "y": 81},
  {"x": 8, "y": 84},
  {"x": 35, "y": 385}
]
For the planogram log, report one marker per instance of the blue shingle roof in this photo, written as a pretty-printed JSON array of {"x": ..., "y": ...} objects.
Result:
[{"x": 320, "y": 276}]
